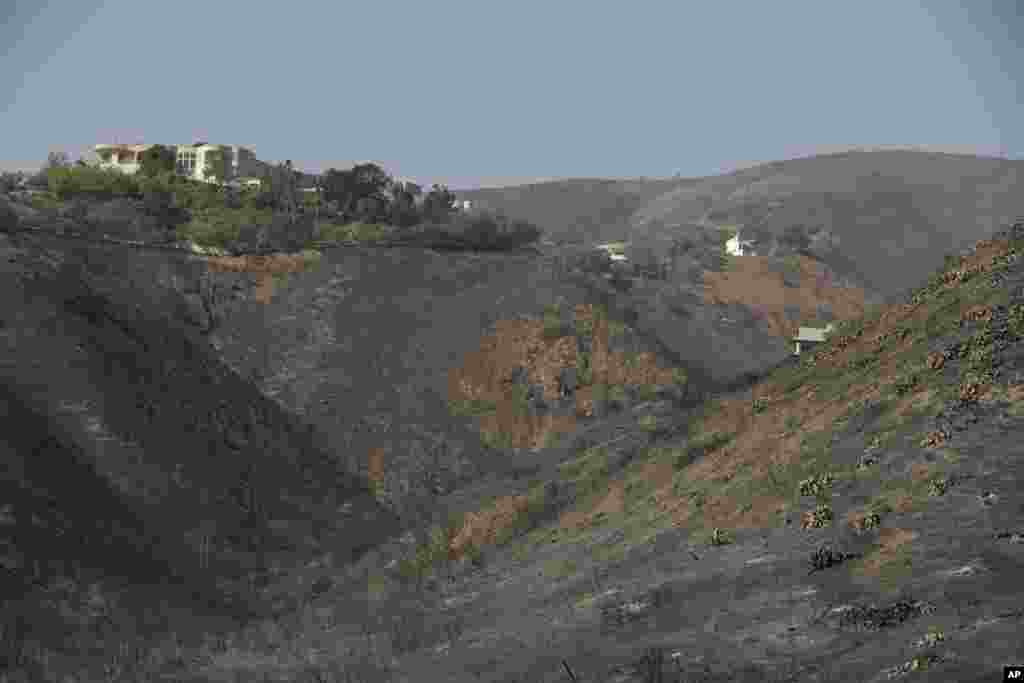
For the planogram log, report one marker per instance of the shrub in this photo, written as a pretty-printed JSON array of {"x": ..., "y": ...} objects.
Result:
[
  {"x": 937, "y": 487},
  {"x": 820, "y": 517},
  {"x": 872, "y": 520},
  {"x": 486, "y": 231},
  {"x": 720, "y": 537},
  {"x": 760, "y": 405},
  {"x": 816, "y": 485},
  {"x": 648, "y": 423},
  {"x": 10, "y": 181},
  {"x": 220, "y": 227},
  {"x": 66, "y": 182}
]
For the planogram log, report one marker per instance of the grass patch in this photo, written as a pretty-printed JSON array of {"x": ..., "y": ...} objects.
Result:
[
  {"x": 45, "y": 201},
  {"x": 472, "y": 408},
  {"x": 792, "y": 424},
  {"x": 552, "y": 439},
  {"x": 616, "y": 328},
  {"x": 648, "y": 423},
  {"x": 895, "y": 570},
  {"x": 584, "y": 369},
  {"x": 496, "y": 440},
  {"x": 349, "y": 232},
  {"x": 648, "y": 392},
  {"x": 560, "y": 568},
  {"x": 518, "y": 397},
  {"x": 552, "y": 322},
  {"x": 701, "y": 446},
  {"x": 679, "y": 376}
]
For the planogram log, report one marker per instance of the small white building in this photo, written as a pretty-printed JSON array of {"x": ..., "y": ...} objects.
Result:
[
  {"x": 614, "y": 250},
  {"x": 809, "y": 337},
  {"x": 190, "y": 159},
  {"x": 737, "y": 246}
]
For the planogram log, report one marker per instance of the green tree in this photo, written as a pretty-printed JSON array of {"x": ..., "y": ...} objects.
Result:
[
  {"x": 157, "y": 160},
  {"x": 217, "y": 166},
  {"x": 358, "y": 191}
]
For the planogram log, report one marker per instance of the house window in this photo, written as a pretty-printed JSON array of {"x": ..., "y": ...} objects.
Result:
[{"x": 187, "y": 161}]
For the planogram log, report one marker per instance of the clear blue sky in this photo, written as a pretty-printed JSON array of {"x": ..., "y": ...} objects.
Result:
[{"x": 482, "y": 93}]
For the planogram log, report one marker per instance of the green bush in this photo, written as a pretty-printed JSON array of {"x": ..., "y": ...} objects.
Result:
[
  {"x": 816, "y": 485},
  {"x": 66, "y": 182},
  {"x": 720, "y": 537},
  {"x": 584, "y": 371},
  {"x": 648, "y": 423},
  {"x": 218, "y": 227},
  {"x": 821, "y": 516}
]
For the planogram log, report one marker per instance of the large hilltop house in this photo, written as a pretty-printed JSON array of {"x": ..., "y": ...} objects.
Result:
[{"x": 191, "y": 160}]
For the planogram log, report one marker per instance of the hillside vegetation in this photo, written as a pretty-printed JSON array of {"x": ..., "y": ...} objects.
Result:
[{"x": 362, "y": 204}]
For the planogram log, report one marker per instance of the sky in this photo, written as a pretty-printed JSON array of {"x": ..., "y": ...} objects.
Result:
[{"x": 478, "y": 93}]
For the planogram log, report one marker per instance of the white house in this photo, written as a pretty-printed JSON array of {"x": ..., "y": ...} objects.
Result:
[
  {"x": 809, "y": 337},
  {"x": 190, "y": 159},
  {"x": 614, "y": 250},
  {"x": 736, "y": 246}
]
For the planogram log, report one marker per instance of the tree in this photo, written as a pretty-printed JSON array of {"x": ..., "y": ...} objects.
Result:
[
  {"x": 337, "y": 186},
  {"x": 54, "y": 160},
  {"x": 439, "y": 203},
  {"x": 57, "y": 160},
  {"x": 156, "y": 160},
  {"x": 217, "y": 166},
  {"x": 362, "y": 185},
  {"x": 403, "y": 204}
]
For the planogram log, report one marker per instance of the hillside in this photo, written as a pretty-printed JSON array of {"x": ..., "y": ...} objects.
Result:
[
  {"x": 880, "y": 208},
  {"x": 874, "y": 223},
  {"x": 401, "y": 464}
]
